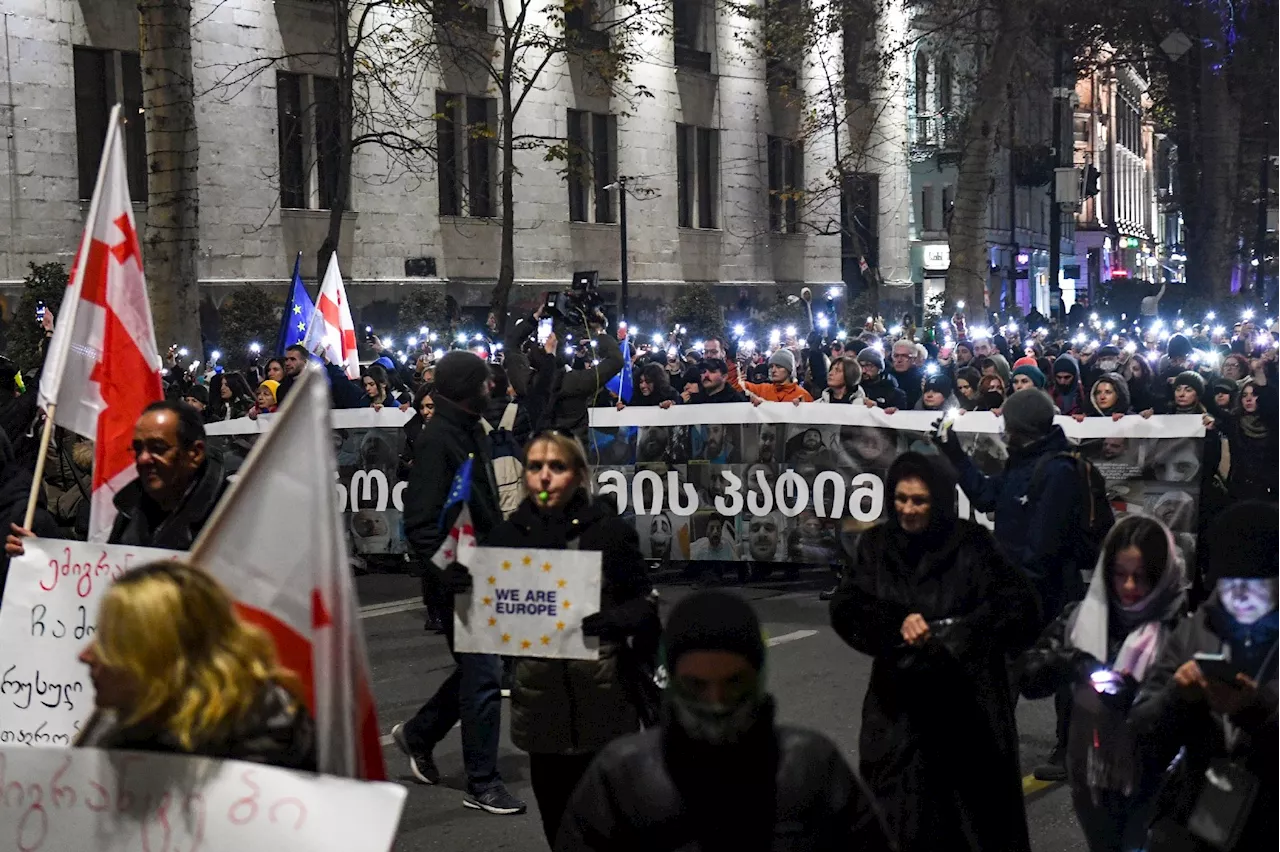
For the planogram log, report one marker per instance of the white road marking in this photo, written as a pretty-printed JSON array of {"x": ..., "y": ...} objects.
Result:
[
  {"x": 390, "y": 608},
  {"x": 791, "y": 637}
]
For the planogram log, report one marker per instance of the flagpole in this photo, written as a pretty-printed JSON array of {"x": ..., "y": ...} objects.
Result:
[
  {"x": 76, "y": 286},
  {"x": 34, "y": 496}
]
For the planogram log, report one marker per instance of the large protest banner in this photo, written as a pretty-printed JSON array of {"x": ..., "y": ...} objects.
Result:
[
  {"x": 529, "y": 603},
  {"x": 48, "y": 616},
  {"x": 762, "y": 484},
  {"x": 111, "y": 801}
]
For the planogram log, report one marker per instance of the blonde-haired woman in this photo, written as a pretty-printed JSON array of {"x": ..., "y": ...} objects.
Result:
[
  {"x": 175, "y": 670},
  {"x": 564, "y": 711}
]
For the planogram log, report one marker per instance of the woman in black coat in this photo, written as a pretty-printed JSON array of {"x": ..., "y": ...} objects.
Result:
[
  {"x": 653, "y": 387},
  {"x": 564, "y": 711},
  {"x": 937, "y": 606}
]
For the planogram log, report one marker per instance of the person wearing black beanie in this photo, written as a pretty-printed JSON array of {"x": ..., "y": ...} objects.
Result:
[
  {"x": 937, "y": 606},
  {"x": 451, "y": 445},
  {"x": 1216, "y": 674},
  {"x": 719, "y": 773}
]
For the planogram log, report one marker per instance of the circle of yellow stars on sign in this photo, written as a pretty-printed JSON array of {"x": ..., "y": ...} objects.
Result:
[{"x": 489, "y": 600}]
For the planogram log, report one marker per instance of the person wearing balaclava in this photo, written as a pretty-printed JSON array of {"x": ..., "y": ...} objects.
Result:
[
  {"x": 1040, "y": 503},
  {"x": 719, "y": 773},
  {"x": 937, "y": 606},
  {"x": 1211, "y": 695},
  {"x": 452, "y": 438},
  {"x": 1103, "y": 650}
]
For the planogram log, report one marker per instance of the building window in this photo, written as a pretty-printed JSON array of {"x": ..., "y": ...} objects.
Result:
[
  {"x": 942, "y": 82},
  {"x": 922, "y": 97},
  {"x": 466, "y": 154},
  {"x": 697, "y": 175},
  {"x": 472, "y": 15},
  {"x": 948, "y": 203},
  {"x": 581, "y": 21},
  {"x": 307, "y": 119},
  {"x": 860, "y": 234},
  {"x": 928, "y": 219},
  {"x": 593, "y": 145},
  {"x": 102, "y": 78},
  {"x": 692, "y": 34},
  {"x": 786, "y": 183}
]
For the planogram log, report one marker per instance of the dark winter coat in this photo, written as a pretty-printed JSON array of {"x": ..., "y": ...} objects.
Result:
[
  {"x": 452, "y": 436},
  {"x": 141, "y": 523},
  {"x": 1167, "y": 721},
  {"x": 277, "y": 731},
  {"x": 15, "y": 489},
  {"x": 522, "y": 431},
  {"x": 1255, "y": 447},
  {"x": 910, "y": 382},
  {"x": 728, "y": 393},
  {"x": 938, "y": 735},
  {"x": 579, "y": 706},
  {"x": 1073, "y": 400},
  {"x": 782, "y": 789},
  {"x": 562, "y": 399},
  {"x": 657, "y": 397},
  {"x": 1036, "y": 532},
  {"x": 884, "y": 391}
]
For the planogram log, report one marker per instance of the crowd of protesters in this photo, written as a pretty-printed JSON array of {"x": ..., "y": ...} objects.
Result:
[{"x": 1164, "y": 672}]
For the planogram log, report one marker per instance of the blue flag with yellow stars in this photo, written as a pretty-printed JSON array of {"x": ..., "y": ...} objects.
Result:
[{"x": 297, "y": 312}]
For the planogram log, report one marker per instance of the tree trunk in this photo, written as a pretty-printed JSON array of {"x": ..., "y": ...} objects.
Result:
[
  {"x": 173, "y": 199},
  {"x": 970, "y": 267},
  {"x": 1212, "y": 249},
  {"x": 339, "y": 203},
  {"x": 506, "y": 261}
]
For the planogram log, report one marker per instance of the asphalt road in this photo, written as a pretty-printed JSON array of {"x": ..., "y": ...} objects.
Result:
[{"x": 818, "y": 681}]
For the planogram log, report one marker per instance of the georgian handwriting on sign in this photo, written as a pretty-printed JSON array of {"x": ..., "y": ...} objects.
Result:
[
  {"x": 83, "y": 572},
  {"x": 70, "y": 799},
  {"x": 55, "y": 628},
  {"x": 23, "y": 689}
]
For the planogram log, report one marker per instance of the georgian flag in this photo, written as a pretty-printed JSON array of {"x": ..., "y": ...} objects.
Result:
[
  {"x": 103, "y": 367},
  {"x": 331, "y": 333}
]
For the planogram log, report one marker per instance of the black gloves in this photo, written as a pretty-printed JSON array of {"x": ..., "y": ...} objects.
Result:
[
  {"x": 618, "y": 622},
  {"x": 457, "y": 579}
]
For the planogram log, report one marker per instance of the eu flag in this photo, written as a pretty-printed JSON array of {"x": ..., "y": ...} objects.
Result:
[
  {"x": 297, "y": 313},
  {"x": 459, "y": 491},
  {"x": 621, "y": 383}
]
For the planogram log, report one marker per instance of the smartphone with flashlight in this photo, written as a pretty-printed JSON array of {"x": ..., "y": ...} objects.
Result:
[
  {"x": 39, "y": 312},
  {"x": 545, "y": 326},
  {"x": 1217, "y": 667}
]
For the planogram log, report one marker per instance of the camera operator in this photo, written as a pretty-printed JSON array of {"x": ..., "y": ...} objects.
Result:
[{"x": 558, "y": 398}]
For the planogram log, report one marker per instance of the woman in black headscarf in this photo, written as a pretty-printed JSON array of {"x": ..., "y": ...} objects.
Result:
[
  {"x": 933, "y": 601},
  {"x": 1251, "y": 429},
  {"x": 1103, "y": 650}
]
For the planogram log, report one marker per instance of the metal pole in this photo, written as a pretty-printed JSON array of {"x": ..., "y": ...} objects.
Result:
[
  {"x": 622, "y": 241},
  {"x": 1264, "y": 172},
  {"x": 1055, "y": 215}
]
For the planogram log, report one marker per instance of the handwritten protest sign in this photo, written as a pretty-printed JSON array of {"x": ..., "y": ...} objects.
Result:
[
  {"x": 50, "y": 607},
  {"x": 79, "y": 799},
  {"x": 529, "y": 603}
]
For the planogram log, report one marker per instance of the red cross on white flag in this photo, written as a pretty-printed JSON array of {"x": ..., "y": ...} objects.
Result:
[
  {"x": 332, "y": 334},
  {"x": 103, "y": 367}
]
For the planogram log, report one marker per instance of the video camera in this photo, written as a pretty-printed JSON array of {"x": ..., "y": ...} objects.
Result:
[{"x": 575, "y": 305}]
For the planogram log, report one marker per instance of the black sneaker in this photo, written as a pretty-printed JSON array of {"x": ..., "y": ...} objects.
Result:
[
  {"x": 421, "y": 763},
  {"x": 1055, "y": 768},
  {"x": 495, "y": 800}
]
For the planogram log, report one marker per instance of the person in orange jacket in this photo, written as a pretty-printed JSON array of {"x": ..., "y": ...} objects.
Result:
[{"x": 782, "y": 386}]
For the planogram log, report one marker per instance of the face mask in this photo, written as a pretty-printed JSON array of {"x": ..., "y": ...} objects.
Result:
[
  {"x": 1108, "y": 365},
  {"x": 714, "y": 724}
]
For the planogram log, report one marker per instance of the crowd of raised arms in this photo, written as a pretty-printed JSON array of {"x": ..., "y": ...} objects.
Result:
[{"x": 1163, "y": 668}]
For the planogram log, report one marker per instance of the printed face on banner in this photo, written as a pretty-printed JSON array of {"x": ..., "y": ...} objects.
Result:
[
  {"x": 49, "y": 615},
  {"x": 529, "y": 603},
  {"x": 820, "y": 484}
]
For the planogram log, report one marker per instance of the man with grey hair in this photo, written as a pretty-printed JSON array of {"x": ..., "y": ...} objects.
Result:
[{"x": 904, "y": 371}]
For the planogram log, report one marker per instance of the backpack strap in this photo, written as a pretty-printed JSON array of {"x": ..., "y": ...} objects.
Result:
[
  {"x": 508, "y": 420},
  {"x": 484, "y": 424}
]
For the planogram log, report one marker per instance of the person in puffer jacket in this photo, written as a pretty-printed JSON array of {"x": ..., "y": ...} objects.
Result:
[{"x": 564, "y": 711}]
